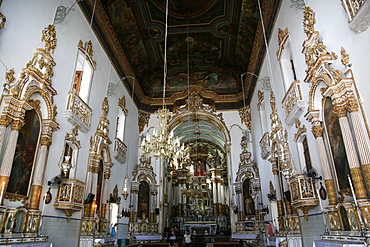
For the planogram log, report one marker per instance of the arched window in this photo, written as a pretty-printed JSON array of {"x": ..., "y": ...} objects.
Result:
[{"x": 84, "y": 70}]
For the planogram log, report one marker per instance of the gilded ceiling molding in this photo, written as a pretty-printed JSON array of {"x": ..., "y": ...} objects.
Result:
[
  {"x": 2, "y": 20},
  {"x": 245, "y": 116},
  {"x": 143, "y": 120},
  {"x": 283, "y": 36}
]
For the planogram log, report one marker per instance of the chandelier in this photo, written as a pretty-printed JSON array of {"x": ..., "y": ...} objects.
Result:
[{"x": 162, "y": 143}]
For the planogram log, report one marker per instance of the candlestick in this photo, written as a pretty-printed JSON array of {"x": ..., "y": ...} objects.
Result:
[
  {"x": 352, "y": 189},
  {"x": 2, "y": 193}
]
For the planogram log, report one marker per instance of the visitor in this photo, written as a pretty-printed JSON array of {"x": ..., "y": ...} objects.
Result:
[
  {"x": 172, "y": 237},
  {"x": 187, "y": 238}
]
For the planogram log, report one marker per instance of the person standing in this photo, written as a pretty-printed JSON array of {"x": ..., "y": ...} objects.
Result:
[{"x": 187, "y": 238}]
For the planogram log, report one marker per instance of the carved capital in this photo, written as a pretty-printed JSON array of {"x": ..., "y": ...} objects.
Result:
[
  {"x": 317, "y": 130},
  {"x": 46, "y": 141},
  {"x": 17, "y": 125},
  {"x": 352, "y": 105},
  {"x": 340, "y": 111},
  {"x": 5, "y": 120}
]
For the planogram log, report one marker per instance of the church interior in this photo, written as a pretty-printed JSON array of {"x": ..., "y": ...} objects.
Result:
[{"x": 136, "y": 122}]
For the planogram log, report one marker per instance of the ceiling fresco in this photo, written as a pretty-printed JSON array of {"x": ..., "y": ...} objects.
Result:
[{"x": 210, "y": 43}]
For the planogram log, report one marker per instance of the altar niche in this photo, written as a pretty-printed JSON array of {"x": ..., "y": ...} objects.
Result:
[
  {"x": 249, "y": 208},
  {"x": 143, "y": 209}
]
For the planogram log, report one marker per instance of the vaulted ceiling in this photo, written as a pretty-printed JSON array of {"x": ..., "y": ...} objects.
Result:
[{"x": 210, "y": 44}]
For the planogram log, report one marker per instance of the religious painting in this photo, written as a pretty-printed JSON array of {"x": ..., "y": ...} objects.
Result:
[
  {"x": 248, "y": 200},
  {"x": 336, "y": 144},
  {"x": 143, "y": 197},
  {"x": 77, "y": 81},
  {"x": 99, "y": 188},
  {"x": 200, "y": 169},
  {"x": 24, "y": 156}
]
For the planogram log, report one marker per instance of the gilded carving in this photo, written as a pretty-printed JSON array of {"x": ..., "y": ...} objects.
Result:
[
  {"x": 332, "y": 197},
  {"x": 317, "y": 129},
  {"x": 122, "y": 104},
  {"x": 46, "y": 141},
  {"x": 245, "y": 116},
  {"x": 308, "y": 21},
  {"x": 352, "y": 105},
  {"x": 345, "y": 57},
  {"x": 352, "y": 7},
  {"x": 17, "y": 124},
  {"x": 143, "y": 120},
  {"x": 283, "y": 36},
  {"x": 293, "y": 103},
  {"x": 261, "y": 97},
  {"x": 87, "y": 49},
  {"x": 2, "y": 20},
  {"x": 358, "y": 183},
  {"x": 9, "y": 77},
  {"x": 49, "y": 36},
  {"x": 5, "y": 120}
]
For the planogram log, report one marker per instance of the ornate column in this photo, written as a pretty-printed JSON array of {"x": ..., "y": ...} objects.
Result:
[
  {"x": 6, "y": 166},
  {"x": 219, "y": 196},
  {"x": 214, "y": 192},
  {"x": 361, "y": 137},
  {"x": 222, "y": 196},
  {"x": 39, "y": 173},
  {"x": 239, "y": 201},
  {"x": 134, "y": 200},
  {"x": 317, "y": 131},
  {"x": 4, "y": 122},
  {"x": 153, "y": 202},
  {"x": 104, "y": 196},
  {"x": 354, "y": 163}
]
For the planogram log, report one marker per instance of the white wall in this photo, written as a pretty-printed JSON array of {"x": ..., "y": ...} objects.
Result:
[{"x": 20, "y": 38}]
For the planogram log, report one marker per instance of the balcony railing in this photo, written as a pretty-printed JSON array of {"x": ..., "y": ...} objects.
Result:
[
  {"x": 303, "y": 192},
  {"x": 293, "y": 103},
  {"x": 119, "y": 151},
  {"x": 358, "y": 14},
  {"x": 70, "y": 197},
  {"x": 265, "y": 145},
  {"x": 78, "y": 112}
]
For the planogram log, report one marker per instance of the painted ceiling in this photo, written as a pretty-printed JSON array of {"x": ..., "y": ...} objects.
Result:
[{"x": 210, "y": 44}]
